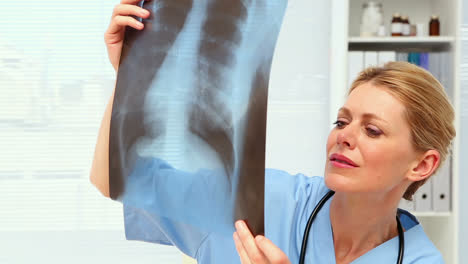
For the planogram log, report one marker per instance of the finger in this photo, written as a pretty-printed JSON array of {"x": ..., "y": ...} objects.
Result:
[
  {"x": 248, "y": 241},
  {"x": 273, "y": 253},
  {"x": 120, "y": 21},
  {"x": 126, "y": 10},
  {"x": 240, "y": 249}
]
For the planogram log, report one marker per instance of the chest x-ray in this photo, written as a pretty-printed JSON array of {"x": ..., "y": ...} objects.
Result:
[{"x": 192, "y": 91}]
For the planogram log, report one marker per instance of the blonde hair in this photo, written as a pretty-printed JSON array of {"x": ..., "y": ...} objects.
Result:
[{"x": 428, "y": 110}]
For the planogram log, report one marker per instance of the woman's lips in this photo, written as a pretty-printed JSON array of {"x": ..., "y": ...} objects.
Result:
[{"x": 342, "y": 161}]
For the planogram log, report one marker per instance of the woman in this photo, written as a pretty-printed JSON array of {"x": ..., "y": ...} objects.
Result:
[{"x": 391, "y": 135}]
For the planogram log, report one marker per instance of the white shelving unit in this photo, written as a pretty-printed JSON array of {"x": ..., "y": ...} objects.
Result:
[
  {"x": 441, "y": 227},
  {"x": 422, "y": 40},
  {"x": 432, "y": 214},
  {"x": 409, "y": 40}
]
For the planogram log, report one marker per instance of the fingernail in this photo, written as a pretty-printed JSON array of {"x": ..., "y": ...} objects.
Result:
[
  {"x": 240, "y": 224},
  {"x": 259, "y": 238},
  {"x": 144, "y": 12},
  {"x": 139, "y": 24}
]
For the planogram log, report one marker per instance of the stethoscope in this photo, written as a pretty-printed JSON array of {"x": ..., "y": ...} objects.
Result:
[{"x": 401, "y": 237}]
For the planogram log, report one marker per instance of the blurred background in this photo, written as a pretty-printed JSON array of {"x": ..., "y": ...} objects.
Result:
[{"x": 55, "y": 80}]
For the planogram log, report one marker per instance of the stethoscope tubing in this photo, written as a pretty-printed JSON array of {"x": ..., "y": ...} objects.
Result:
[{"x": 401, "y": 234}]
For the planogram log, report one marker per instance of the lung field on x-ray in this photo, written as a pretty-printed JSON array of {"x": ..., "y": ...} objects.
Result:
[
  {"x": 141, "y": 59},
  {"x": 192, "y": 91}
]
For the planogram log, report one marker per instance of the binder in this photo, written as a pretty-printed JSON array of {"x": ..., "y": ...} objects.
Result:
[
  {"x": 444, "y": 66},
  {"x": 370, "y": 59},
  {"x": 446, "y": 73},
  {"x": 424, "y": 60},
  {"x": 441, "y": 187},
  {"x": 402, "y": 56},
  {"x": 386, "y": 56},
  {"x": 434, "y": 64},
  {"x": 423, "y": 197},
  {"x": 414, "y": 58},
  {"x": 355, "y": 65}
]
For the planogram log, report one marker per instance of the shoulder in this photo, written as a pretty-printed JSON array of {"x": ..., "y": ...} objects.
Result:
[
  {"x": 288, "y": 201},
  {"x": 420, "y": 248},
  {"x": 296, "y": 187}
]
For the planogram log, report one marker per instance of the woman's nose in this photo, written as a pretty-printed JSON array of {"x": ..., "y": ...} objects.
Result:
[{"x": 346, "y": 137}]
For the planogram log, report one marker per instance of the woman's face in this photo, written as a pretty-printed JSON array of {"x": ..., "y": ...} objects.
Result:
[{"x": 369, "y": 150}]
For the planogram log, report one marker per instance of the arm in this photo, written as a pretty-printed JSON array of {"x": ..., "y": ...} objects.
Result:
[
  {"x": 99, "y": 175},
  {"x": 113, "y": 38}
]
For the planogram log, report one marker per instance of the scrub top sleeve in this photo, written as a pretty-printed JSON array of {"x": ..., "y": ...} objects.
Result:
[
  {"x": 169, "y": 206},
  {"x": 289, "y": 200},
  {"x": 143, "y": 226},
  {"x": 139, "y": 225}
]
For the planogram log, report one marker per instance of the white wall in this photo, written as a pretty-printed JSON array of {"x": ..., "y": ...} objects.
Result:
[
  {"x": 463, "y": 135},
  {"x": 298, "y": 103}
]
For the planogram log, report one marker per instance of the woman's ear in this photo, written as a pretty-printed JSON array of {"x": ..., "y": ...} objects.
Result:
[{"x": 426, "y": 165}]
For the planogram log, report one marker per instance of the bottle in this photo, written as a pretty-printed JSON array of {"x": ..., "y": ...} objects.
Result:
[
  {"x": 396, "y": 25},
  {"x": 381, "y": 32},
  {"x": 372, "y": 18},
  {"x": 413, "y": 30},
  {"x": 406, "y": 27},
  {"x": 434, "y": 26}
]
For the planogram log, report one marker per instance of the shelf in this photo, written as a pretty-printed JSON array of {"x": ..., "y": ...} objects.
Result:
[
  {"x": 400, "y": 43},
  {"x": 394, "y": 40},
  {"x": 431, "y": 214}
]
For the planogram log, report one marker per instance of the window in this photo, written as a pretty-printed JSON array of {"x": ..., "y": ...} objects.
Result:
[{"x": 55, "y": 81}]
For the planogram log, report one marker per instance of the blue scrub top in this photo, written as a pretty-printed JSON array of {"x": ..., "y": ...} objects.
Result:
[{"x": 155, "y": 211}]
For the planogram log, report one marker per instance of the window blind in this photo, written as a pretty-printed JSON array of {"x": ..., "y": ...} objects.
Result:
[{"x": 55, "y": 81}]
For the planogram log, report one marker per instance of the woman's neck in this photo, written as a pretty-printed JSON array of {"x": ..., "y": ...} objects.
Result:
[{"x": 361, "y": 222}]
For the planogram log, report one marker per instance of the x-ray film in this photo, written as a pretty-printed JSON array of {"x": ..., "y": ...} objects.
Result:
[{"x": 192, "y": 92}]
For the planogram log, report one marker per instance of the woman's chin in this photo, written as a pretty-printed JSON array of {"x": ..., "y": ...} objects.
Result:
[{"x": 339, "y": 183}]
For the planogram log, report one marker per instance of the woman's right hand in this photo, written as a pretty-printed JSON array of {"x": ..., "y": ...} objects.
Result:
[
  {"x": 258, "y": 250},
  {"x": 121, "y": 18}
]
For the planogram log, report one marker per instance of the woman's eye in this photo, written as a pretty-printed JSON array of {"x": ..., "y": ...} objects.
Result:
[
  {"x": 373, "y": 132},
  {"x": 339, "y": 124}
]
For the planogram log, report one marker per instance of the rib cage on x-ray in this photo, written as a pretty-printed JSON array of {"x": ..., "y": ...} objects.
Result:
[{"x": 192, "y": 90}]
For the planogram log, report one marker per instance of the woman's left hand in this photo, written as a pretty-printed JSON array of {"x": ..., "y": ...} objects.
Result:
[{"x": 258, "y": 250}]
